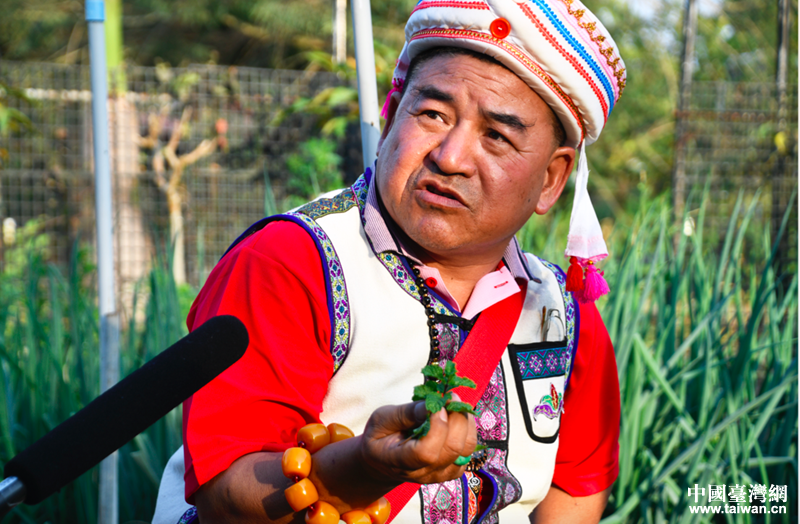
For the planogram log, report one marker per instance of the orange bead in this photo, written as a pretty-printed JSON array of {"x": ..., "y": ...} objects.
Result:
[
  {"x": 339, "y": 432},
  {"x": 313, "y": 437},
  {"x": 301, "y": 495},
  {"x": 296, "y": 463},
  {"x": 356, "y": 516},
  {"x": 379, "y": 511},
  {"x": 322, "y": 513}
]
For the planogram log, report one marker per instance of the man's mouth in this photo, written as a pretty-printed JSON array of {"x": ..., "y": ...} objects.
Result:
[
  {"x": 435, "y": 194},
  {"x": 436, "y": 191}
]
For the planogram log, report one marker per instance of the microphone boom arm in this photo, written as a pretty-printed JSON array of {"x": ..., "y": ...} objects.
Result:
[{"x": 12, "y": 493}]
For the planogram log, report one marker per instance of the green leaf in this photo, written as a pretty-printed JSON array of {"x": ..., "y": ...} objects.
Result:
[
  {"x": 450, "y": 370},
  {"x": 460, "y": 407},
  {"x": 434, "y": 402},
  {"x": 420, "y": 392},
  {"x": 433, "y": 371},
  {"x": 342, "y": 95},
  {"x": 422, "y": 430},
  {"x": 462, "y": 381}
]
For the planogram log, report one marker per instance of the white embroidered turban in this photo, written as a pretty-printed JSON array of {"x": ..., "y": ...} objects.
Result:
[{"x": 564, "y": 53}]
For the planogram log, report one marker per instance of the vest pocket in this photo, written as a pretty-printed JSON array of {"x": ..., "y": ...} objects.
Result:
[{"x": 539, "y": 373}]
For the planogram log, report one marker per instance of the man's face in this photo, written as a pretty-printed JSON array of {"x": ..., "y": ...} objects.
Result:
[{"x": 467, "y": 157}]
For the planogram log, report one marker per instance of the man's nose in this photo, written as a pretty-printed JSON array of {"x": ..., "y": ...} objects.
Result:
[{"x": 455, "y": 154}]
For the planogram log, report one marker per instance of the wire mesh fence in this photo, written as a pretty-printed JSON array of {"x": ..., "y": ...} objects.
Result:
[
  {"x": 202, "y": 141},
  {"x": 741, "y": 138},
  {"x": 202, "y": 145}
]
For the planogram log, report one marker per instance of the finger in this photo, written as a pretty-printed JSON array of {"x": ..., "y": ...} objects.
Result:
[
  {"x": 427, "y": 450},
  {"x": 394, "y": 419},
  {"x": 472, "y": 435},
  {"x": 471, "y": 440},
  {"x": 451, "y": 472},
  {"x": 457, "y": 437}
]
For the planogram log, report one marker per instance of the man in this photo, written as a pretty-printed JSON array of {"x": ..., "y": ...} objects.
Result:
[{"x": 347, "y": 298}]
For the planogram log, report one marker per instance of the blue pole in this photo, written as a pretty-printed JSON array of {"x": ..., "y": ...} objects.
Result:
[{"x": 108, "y": 497}]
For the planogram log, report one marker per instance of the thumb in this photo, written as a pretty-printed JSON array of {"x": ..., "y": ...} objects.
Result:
[{"x": 394, "y": 419}]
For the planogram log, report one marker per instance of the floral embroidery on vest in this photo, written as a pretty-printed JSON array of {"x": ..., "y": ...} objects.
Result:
[{"x": 443, "y": 503}]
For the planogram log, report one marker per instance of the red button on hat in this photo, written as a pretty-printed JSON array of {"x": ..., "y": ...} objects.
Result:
[
  {"x": 500, "y": 28},
  {"x": 431, "y": 282}
]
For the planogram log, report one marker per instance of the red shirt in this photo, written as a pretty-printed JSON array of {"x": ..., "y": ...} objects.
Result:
[{"x": 273, "y": 282}]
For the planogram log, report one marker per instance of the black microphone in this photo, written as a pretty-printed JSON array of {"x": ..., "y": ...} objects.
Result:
[{"x": 118, "y": 415}]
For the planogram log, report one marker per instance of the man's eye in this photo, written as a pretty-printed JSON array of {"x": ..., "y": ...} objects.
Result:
[
  {"x": 494, "y": 135},
  {"x": 432, "y": 114}
]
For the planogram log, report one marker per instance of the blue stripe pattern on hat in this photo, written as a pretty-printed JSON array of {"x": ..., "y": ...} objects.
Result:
[{"x": 579, "y": 48}]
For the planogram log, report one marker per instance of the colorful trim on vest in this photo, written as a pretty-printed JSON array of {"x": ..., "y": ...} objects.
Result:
[
  {"x": 543, "y": 363},
  {"x": 340, "y": 302},
  {"x": 190, "y": 517}
]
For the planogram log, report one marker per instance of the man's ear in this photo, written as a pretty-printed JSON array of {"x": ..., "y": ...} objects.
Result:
[
  {"x": 555, "y": 178},
  {"x": 391, "y": 111}
]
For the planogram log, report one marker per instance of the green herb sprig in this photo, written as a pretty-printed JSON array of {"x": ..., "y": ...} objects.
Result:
[{"x": 437, "y": 394}]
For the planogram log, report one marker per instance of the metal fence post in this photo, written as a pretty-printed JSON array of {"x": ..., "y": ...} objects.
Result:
[
  {"x": 780, "y": 187},
  {"x": 367, "y": 85},
  {"x": 108, "y": 497},
  {"x": 687, "y": 69}
]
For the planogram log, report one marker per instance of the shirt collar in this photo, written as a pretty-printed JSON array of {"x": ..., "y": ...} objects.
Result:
[{"x": 380, "y": 235}]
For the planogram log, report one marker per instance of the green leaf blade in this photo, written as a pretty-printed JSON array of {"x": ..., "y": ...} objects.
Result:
[
  {"x": 422, "y": 430},
  {"x": 460, "y": 407},
  {"x": 433, "y": 372},
  {"x": 434, "y": 402}
]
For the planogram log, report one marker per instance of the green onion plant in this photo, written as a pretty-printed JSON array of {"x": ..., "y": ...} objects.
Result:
[{"x": 705, "y": 336}]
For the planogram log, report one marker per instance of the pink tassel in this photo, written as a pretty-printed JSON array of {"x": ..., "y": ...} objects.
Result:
[
  {"x": 397, "y": 85},
  {"x": 594, "y": 286}
]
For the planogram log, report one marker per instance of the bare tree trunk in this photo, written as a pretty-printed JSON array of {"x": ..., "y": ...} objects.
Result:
[
  {"x": 131, "y": 243},
  {"x": 175, "y": 203},
  {"x": 173, "y": 188},
  {"x": 340, "y": 31}
]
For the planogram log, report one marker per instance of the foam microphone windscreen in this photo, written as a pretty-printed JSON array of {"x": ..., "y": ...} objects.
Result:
[{"x": 128, "y": 408}]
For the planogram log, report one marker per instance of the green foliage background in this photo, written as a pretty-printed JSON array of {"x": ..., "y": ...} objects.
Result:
[{"x": 737, "y": 40}]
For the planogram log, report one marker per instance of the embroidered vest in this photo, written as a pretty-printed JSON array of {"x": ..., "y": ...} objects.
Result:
[{"x": 380, "y": 343}]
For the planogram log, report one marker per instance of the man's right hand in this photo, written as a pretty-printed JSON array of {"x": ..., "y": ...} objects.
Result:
[
  {"x": 348, "y": 474},
  {"x": 389, "y": 454}
]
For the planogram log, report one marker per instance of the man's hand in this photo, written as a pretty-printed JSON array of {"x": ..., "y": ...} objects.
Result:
[
  {"x": 349, "y": 474},
  {"x": 390, "y": 454}
]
